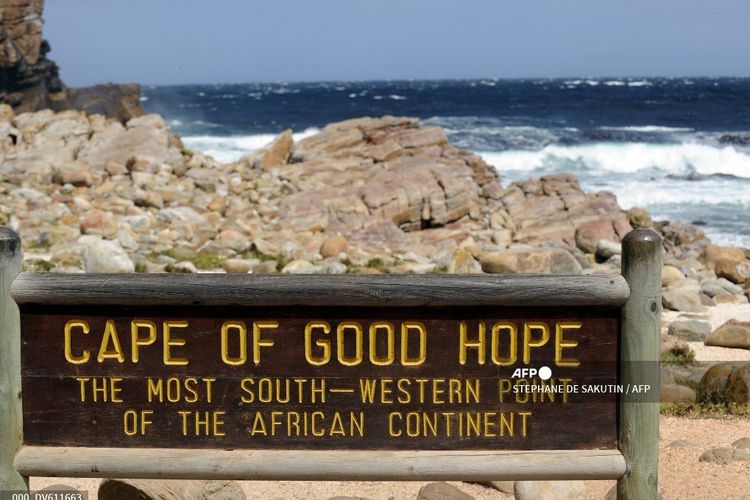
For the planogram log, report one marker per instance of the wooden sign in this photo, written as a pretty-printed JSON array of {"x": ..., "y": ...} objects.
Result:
[
  {"x": 279, "y": 377},
  {"x": 448, "y": 378}
]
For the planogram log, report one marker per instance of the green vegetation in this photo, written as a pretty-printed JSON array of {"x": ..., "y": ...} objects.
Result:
[
  {"x": 705, "y": 409},
  {"x": 678, "y": 354},
  {"x": 376, "y": 264}
]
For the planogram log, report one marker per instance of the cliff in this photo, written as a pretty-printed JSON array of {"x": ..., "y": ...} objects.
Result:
[{"x": 30, "y": 81}]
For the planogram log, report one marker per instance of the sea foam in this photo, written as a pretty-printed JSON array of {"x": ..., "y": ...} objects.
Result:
[
  {"x": 231, "y": 148},
  {"x": 604, "y": 158}
]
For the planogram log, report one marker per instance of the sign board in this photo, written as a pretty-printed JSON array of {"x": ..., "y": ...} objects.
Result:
[
  {"x": 391, "y": 378},
  {"x": 433, "y": 377}
]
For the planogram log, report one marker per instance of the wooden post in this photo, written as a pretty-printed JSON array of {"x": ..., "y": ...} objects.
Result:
[
  {"x": 10, "y": 363},
  {"x": 639, "y": 365}
]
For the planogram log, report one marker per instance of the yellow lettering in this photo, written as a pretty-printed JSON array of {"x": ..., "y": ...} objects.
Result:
[
  {"x": 241, "y": 330},
  {"x": 69, "y": 356},
  {"x": 169, "y": 342}
]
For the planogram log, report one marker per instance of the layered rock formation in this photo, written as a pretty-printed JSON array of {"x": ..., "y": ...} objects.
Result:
[
  {"x": 365, "y": 195},
  {"x": 29, "y": 81}
]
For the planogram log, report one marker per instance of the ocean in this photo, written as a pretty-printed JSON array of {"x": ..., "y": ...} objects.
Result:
[{"x": 680, "y": 147}]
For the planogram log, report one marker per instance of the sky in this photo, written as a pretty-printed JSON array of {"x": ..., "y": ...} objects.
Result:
[{"x": 232, "y": 41}]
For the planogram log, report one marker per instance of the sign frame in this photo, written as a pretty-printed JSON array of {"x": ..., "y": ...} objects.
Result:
[{"x": 635, "y": 293}]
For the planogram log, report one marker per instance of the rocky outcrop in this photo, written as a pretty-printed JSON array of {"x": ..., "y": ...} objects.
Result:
[
  {"x": 29, "y": 81},
  {"x": 370, "y": 195}
]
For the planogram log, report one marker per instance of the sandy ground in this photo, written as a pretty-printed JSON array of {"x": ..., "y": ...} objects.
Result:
[
  {"x": 716, "y": 316},
  {"x": 681, "y": 475}
]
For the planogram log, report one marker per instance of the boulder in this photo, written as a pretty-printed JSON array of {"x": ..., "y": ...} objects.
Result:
[
  {"x": 277, "y": 152},
  {"x": 713, "y": 253},
  {"x": 462, "y": 262},
  {"x": 736, "y": 272},
  {"x": 237, "y": 266},
  {"x": 733, "y": 333},
  {"x": 299, "y": 267},
  {"x": 682, "y": 300},
  {"x": 724, "y": 456},
  {"x": 333, "y": 246},
  {"x": 715, "y": 382},
  {"x": 549, "y": 490},
  {"x": 547, "y": 260},
  {"x": 676, "y": 393},
  {"x": 442, "y": 491},
  {"x": 162, "y": 489},
  {"x": 606, "y": 249},
  {"x": 738, "y": 387},
  {"x": 591, "y": 232},
  {"x": 690, "y": 330},
  {"x": 742, "y": 443},
  {"x": 104, "y": 256},
  {"x": 670, "y": 274}
]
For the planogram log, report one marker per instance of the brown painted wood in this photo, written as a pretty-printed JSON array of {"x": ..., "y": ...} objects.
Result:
[
  {"x": 55, "y": 416},
  {"x": 319, "y": 290}
]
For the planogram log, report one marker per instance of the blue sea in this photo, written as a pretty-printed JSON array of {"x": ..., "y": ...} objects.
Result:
[{"x": 679, "y": 147}]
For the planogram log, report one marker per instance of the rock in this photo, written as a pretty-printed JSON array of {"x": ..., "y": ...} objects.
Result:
[
  {"x": 548, "y": 260},
  {"x": 730, "y": 287},
  {"x": 606, "y": 249},
  {"x": 233, "y": 240},
  {"x": 442, "y": 491},
  {"x": 742, "y": 443},
  {"x": 118, "y": 101},
  {"x": 738, "y": 388},
  {"x": 715, "y": 382},
  {"x": 277, "y": 152},
  {"x": 462, "y": 262},
  {"x": 713, "y": 253},
  {"x": 299, "y": 267},
  {"x": 682, "y": 300},
  {"x": 550, "y": 490},
  {"x": 690, "y": 330},
  {"x": 676, "y": 393},
  {"x": 670, "y": 275},
  {"x": 724, "y": 456},
  {"x": 736, "y": 272},
  {"x": 104, "y": 256},
  {"x": 733, "y": 333},
  {"x": 589, "y": 233},
  {"x": 265, "y": 267},
  {"x": 98, "y": 222},
  {"x": 612, "y": 493},
  {"x": 237, "y": 266},
  {"x": 706, "y": 300},
  {"x": 712, "y": 289},
  {"x": 639, "y": 217},
  {"x": 503, "y": 486},
  {"x": 333, "y": 246},
  {"x": 161, "y": 489},
  {"x": 681, "y": 443}
]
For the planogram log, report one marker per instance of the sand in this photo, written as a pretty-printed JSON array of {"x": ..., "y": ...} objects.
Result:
[{"x": 681, "y": 475}]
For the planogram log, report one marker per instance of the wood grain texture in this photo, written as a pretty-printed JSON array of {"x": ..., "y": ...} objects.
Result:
[
  {"x": 320, "y": 465},
  {"x": 639, "y": 355},
  {"x": 10, "y": 363},
  {"x": 319, "y": 290}
]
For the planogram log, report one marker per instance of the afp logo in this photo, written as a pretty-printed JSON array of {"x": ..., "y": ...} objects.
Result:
[{"x": 544, "y": 373}]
